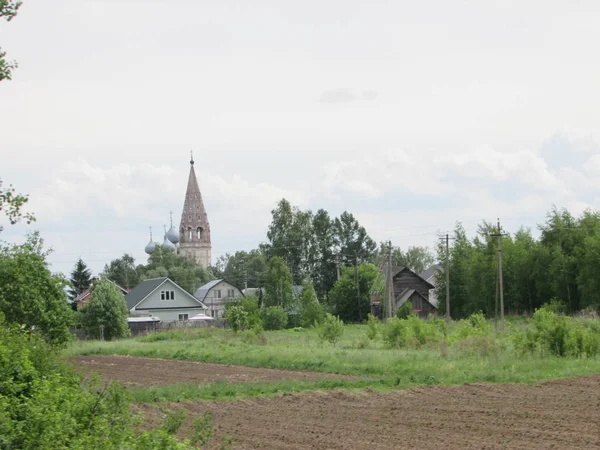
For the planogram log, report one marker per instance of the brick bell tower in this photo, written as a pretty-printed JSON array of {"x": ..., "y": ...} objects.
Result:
[{"x": 194, "y": 230}]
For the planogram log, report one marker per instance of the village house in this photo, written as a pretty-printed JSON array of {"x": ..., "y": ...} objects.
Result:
[
  {"x": 216, "y": 294},
  {"x": 84, "y": 298},
  {"x": 163, "y": 298}
]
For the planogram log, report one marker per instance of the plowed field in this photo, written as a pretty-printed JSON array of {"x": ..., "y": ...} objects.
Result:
[
  {"x": 134, "y": 371},
  {"x": 562, "y": 414}
]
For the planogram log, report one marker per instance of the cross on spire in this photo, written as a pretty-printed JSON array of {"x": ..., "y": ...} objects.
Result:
[
  {"x": 191, "y": 157},
  {"x": 171, "y": 213}
]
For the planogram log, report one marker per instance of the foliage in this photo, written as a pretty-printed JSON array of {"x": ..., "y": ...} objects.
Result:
[
  {"x": 559, "y": 335},
  {"x": 350, "y": 304},
  {"x": 405, "y": 311},
  {"x": 274, "y": 318},
  {"x": 122, "y": 271},
  {"x": 311, "y": 311},
  {"x": 44, "y": 404},
  {"x": 10, "y": 202},
  {"x": 8, "y": 10},
  {"x": 560, "y": 266},
  {"x": 310, "y": 243},
  {"x": 475, "y": 325},
  {"x": 242, "y": 267},
  {"x": 80, "y": 280},
  {"x": 203, "y": 429},
  {"x": 416, "y": 258},
  {"x": 373, "y": 326},
  {"x": 30, "y": 295},
  {"x": 237, "y": 318},
  {"x": 105, "y": 315},
  {"x": 278, "y": 284},
  {"x": 331, "y": 329}
]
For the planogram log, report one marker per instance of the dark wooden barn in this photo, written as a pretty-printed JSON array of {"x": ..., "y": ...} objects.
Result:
[{"x": 408, "y": 286}]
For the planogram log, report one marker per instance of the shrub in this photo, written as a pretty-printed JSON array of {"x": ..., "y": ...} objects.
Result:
[
  {"x": 373, "y": 326},
  {"x": 105, "y": 316},
  {"x": 396, "y": 332},
  {"x": 331, "y": 329},
  {"x": 274, "y": 318},
  {"x": 237, "y": 318},
  {"x": 474, "y": 325},
  {"x": 405, "y": 311}
]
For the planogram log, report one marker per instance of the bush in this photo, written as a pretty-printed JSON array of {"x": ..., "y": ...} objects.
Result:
[
  {"x": 105, "y": 316},
  {"x": 474, "y": 325},
  {"x": 405, "y": 311},
  {"x": 274, "y": 318},
  {"x": 237, "y": 318},
  {"x": 373, "y": 326},
  {"x": 45, "y": 405},
  {"x": 396, "y": 332},
  {"x": 331, "y": 329}
]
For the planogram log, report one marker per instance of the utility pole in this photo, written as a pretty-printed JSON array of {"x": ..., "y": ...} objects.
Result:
[
  {"x": 500, "y": 287},
  {"x": 246, "y": 280},
  {"x": 357, "y": 286},
  {"x": 390, "y": 281},
  {"x": 447, "y": 270},
  {"x": 337, "y": 265}
]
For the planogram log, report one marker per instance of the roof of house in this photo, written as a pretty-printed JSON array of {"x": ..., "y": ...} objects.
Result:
[
  {"x": 88, "y": 291},
  {"x": 428, "y": 273},
  {"x": 407, "y": 293},
  {"x": 397, "y": 270},
  {"x": 142, "y": 290},
  {"x": 202, "y": 291}
]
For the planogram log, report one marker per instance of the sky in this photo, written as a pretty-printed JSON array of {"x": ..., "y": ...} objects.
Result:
[{"x": 410, "y": 115}]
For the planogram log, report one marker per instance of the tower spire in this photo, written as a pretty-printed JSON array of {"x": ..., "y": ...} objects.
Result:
[
  {"x": 194, "y": 227},
  {"x": 192, "y": 157}
]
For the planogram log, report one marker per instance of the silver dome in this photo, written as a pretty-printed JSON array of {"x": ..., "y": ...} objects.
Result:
[
  {"x": 168, "y": 244},
  {"x": 150, "y": 247},
  {"x": 173, "y": 235}
]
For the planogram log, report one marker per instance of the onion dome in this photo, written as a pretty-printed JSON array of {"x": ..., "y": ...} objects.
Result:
[
  {"x": 151, "y": 245},
  {"x": 167, "y": 243},
  {"x": 173, "y": 234}
]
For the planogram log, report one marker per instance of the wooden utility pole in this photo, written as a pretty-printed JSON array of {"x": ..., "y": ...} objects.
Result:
[
  {"x": 500, "y": 286},
  {"x": 357, "y": 286},
  {"x": 447, "y": 270},
  {"x": 390, "y": 282}
]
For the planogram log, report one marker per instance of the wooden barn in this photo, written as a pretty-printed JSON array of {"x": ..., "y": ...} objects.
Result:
[{"x": 408, "y": 286}]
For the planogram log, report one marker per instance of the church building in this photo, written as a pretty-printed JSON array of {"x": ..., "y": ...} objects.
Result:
[{"x": 192, "y": 240}]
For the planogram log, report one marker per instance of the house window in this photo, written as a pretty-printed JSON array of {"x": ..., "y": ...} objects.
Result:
[
  {"x": 183, "y": 317},
  {"x": 167, "y": 295},
  {"x": 212, "y": 313},
  {"x": 230, "y": 293},
  {"x": 218, "y": 294}
]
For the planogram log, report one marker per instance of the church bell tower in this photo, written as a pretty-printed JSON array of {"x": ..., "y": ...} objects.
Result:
[{"x": 194, "y": 230}]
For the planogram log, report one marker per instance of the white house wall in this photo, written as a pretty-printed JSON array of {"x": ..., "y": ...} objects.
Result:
[{"x": 216, "y": 305}]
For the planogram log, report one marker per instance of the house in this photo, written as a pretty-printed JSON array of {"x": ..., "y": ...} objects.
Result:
[
  {"x": 163, "y": 298},
  {"x": 429, "y": 275},
  {"x": 408, "y": 286},
  {"x": 216, "y": 294},
  {"x": 82, "y": 299}
]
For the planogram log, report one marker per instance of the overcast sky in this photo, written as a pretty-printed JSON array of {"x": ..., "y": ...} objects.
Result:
[{"x": 411, "y": 115}]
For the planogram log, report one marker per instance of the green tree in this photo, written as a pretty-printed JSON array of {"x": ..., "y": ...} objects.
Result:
[
  {"x": 123, "y": 272},
  {"x": 105, "y": 315},
  {"x": 352, "y": 240},
  {"x": 348, "y": 302},
  {"x": 237, "y": 317},
  {"x": 8, "y": 10},
  {"x": 274, "y": 318},
  {"x": 30, "y": 295},
  {"x": 11, "y": 202},
  {"x": 81, "y": 278},
  {"x": 311, "y": 311},
  {"x": 278, "y": 284},
  {"x": 331, "y": 329},
  {"x": 324, "y": 271},
  {"x": 242, "y": 266}
]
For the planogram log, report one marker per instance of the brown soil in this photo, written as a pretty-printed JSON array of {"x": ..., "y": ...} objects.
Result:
[
  {"x": 134, "y": 371},
  {"x": 562, "y": 414}
]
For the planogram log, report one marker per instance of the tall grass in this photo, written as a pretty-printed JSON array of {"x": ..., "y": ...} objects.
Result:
[{"x": 462, "y": 356}]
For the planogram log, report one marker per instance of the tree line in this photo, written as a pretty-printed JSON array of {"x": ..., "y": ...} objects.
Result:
[{"x": 560, "y": 266}]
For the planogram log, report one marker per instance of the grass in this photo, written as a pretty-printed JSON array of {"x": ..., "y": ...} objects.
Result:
[{"x": 457, "y": 363}]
